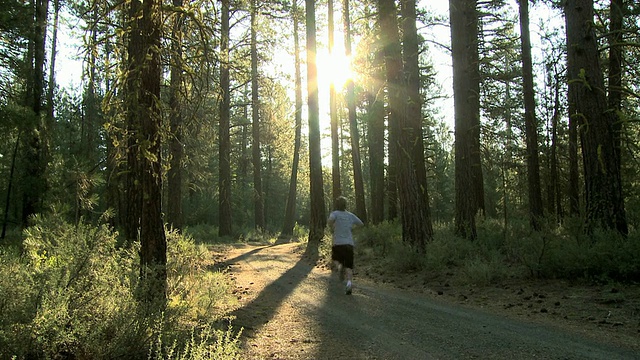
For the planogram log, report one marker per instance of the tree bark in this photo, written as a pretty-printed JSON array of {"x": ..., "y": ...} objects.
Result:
[
  {"x": 33, "y": 181},
  {"x": 52, "y": 65},
  {"x": 410, "y": 52},
  {"x": 290, "y": 212},
  {"x": 416, "y": 222},
  {"x": 376, "y": 128},
  {"x": 531, "y": 128},
  {"x": 361, "y": 207},
  {"x": 554, "y": 198},
  {"x": 145, "y": 148},
  {"x": 574, "y": 173},
  {"x": 224, "y": 221},
  {"x": 258, "y": 195},
  {"x": 318, "y": 218},
  {"x": 336, "y": 182},
  {"x": 604, "y": 202},
  {"x": 616, "y": 18},
  {"x": 174, "y": 175},
  {"x": 466, "y": 89}
]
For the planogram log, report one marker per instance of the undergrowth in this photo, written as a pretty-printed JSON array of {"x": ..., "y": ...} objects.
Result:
[
  {"x": 500, "y": 254},
  {"x": 68, "y": 291}
]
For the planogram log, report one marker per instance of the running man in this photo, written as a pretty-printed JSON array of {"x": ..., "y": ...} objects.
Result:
[{"x": 341, "y": 222}]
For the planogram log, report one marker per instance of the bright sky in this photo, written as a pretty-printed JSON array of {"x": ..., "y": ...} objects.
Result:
[
  {"x": 69, "y": 59},
  {"x": 69, "y": 66}
]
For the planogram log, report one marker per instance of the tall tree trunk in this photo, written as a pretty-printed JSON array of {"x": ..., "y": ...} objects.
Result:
[
  {"x": 145, "y": 146},
  {"x": 555, "y": 203},
  {"x": 361, "y": 207},
  {"x": 224, "y": 184},
  {"x": 336, "y": 186},
  {"x": 410, "y": 52},
  {"x": 376, "y": 136},
  {"x": 33, "y": 182},
  {"x": 258, "y": 196},
  {"x": 506, "y": 165},
  {"x": 573, "y": 188},
  {"x": 90, "y": 120},
  {"x": 603, "y": 184},
  {"x": 531, "y": 128},
  {"x": 114, "y": 167},
  {"x": 318, "y": 218},
  {"x": 174, "y": 174},
  {"x": 466, "y": 89},
  {"x": 616, "y": 16},
  {"x": 392, "y": 167},
  {"x": 5, "y": 222},
  {"x": 290, "y": 212},
  {"x": 52, "y": 65},
  {"x": 415, "y": 217}
]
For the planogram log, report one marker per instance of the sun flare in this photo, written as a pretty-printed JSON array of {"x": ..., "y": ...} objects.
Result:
[{"x": 334, "y": 68}]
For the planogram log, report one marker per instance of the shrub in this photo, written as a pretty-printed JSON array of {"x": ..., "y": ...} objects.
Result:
[
  {"x": 71, "y": 294},
  {"x": 203, "y": 234},
  {"x": 74, "y": 293},
  {"x": 193, "y": 288},
  {"x": 204, "y": 343}
]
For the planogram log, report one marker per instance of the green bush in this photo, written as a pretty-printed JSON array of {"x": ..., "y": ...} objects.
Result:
[
  {"x": 602, "y": 257},
  {"x": 499, "y": 254},
  {"x": 379, "y": 238},
  {"x": 71, "y": 294},
  {"x": 193, "y": 288},
  {"x": 204, "y": 343},
  {"x": 203, "y": 234},
  {"x": 74, "y": 293}
]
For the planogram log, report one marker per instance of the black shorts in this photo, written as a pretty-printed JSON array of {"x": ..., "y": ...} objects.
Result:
[{"x": 343, "y": 254}]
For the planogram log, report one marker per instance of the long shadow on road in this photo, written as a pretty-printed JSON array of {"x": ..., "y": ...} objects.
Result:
[
  {"x": 376, "y": 323},
  {"x": 321, "y": 322},
  {"x": 263, "y": 308}
]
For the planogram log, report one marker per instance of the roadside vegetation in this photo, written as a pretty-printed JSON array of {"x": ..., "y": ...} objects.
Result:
[
  {"x": 560, "y": 252},
  {"x": 70, "y": 290}
]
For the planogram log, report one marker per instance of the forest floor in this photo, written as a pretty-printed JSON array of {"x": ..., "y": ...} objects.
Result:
[{"x": 293, "y": 309}]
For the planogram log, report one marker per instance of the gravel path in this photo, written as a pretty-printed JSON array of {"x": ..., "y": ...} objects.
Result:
[{"x": 290, "y": 309}]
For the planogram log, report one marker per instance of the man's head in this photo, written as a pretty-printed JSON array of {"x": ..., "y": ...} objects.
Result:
[{"x": 341, "y": 203}]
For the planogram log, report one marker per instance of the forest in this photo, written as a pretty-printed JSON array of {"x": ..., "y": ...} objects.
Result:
[{"x": 507, "y": 128}]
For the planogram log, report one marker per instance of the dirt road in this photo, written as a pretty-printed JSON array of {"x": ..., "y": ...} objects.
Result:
[{"x": 291, "y": 309}]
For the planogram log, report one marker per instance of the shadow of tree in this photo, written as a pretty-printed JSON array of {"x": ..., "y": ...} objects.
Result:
[{"x": 263, "y": 308}]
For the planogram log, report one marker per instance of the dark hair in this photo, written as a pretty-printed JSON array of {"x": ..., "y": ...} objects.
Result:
[{"x": 341, "y": 203}]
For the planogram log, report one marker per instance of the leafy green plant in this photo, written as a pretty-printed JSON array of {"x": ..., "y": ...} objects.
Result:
[
  {"x": 204, "y": 343},
  {"x": 71, "y": 294}
]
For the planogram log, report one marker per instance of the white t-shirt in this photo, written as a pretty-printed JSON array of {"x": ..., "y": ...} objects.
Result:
[{"x": 343, "y": 222}]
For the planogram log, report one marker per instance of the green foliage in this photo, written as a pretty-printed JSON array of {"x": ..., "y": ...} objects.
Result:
[
  {"x": 204, "y": 343},
  {"x": 385, "y": 241},
  {"x": 203, "y": 234},
  {"x": 194, "y": 291},
  {"x": 603, "y": 257},
  {"x": 499, "y": 254},
  {"x": 71, "y": 294}
]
